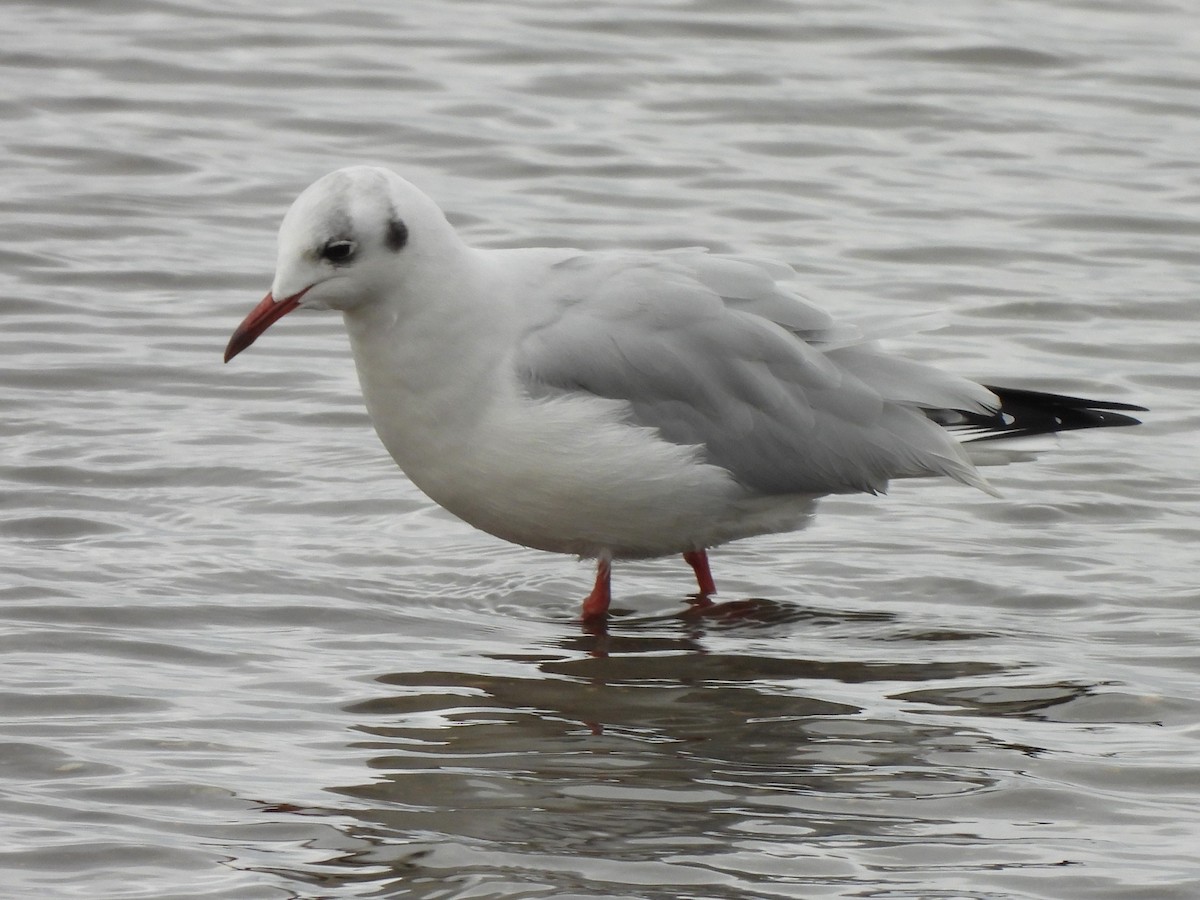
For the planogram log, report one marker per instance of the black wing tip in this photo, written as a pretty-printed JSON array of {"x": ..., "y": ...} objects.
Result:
[
  {"x": 1042, "y": 398},
  {"x": 1025, "y": 413}
]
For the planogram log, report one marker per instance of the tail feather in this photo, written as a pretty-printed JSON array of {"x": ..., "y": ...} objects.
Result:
[{"x": 1024, "y": 413}]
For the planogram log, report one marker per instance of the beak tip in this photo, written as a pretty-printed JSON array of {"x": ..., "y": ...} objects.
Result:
[
  {"x": 258, "y": 321},
  {"x": 236, "y": 345}
]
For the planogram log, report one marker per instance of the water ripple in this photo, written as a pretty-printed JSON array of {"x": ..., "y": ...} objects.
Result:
[{"x": 243, "y": 657}]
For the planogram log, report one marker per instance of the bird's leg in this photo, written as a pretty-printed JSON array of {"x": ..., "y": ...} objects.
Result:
[
  {"x": 698, "y": 560},
  {"x": 595, "y": 605},
  {"x": 701, "y": 604}
]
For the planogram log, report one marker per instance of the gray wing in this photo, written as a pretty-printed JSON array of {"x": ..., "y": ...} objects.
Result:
[{"x": 711, "y": 352}]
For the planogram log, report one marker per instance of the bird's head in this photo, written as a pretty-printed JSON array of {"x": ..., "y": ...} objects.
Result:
[{"x": 351, "y": 238}]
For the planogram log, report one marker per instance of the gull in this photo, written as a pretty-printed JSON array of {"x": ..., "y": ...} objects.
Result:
[{"x": 621, "y": 405}]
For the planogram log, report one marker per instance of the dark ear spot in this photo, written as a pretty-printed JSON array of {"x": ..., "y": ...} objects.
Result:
[{"x": 397, "y": 234}]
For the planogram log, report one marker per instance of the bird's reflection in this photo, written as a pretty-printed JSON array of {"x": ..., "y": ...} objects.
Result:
[
  {"x": 702, "y": 616},
  {"x": 656, "y": 746}
]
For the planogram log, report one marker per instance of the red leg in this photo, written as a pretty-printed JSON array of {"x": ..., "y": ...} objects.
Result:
[
  {"x": 595, "y": 605},
  {"x": 698, "y": 560}
]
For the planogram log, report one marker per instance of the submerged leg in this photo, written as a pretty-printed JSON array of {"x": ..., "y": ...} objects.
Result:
[
  {"x": 698, "y": 560},
  {"x": 701, "y": 604},
  {"x": 595, "y": 605}
]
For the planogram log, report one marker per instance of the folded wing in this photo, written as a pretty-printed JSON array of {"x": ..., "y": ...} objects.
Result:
[{"x": 713, "y": 353}]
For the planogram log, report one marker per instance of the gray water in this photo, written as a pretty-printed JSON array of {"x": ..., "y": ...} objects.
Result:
[{"x": 242, "y": 657}]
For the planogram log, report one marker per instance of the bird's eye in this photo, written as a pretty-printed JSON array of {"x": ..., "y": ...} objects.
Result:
[{"x": 338, "y": 252}]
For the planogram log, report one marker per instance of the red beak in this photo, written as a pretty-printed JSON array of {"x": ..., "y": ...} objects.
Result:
[{"x": 260, "y": 319}]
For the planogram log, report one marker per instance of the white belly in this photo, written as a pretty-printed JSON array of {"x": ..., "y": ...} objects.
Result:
[{"x": 569, "y": 476}]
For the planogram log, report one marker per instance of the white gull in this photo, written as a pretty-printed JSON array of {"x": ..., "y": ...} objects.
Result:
[{"x": 618, "y": 405}]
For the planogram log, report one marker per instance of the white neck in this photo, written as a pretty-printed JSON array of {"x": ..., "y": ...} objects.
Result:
[{"x": 435, "y": 365}]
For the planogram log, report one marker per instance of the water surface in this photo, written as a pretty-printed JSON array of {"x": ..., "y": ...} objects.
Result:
[{"x": 243, "y": 658}]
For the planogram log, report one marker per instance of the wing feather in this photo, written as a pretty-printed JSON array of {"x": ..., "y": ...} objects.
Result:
[{"x": 713, "y": 353}]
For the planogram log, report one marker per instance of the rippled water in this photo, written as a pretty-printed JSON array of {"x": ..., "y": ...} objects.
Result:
[{"x": 243, "y": 658}]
